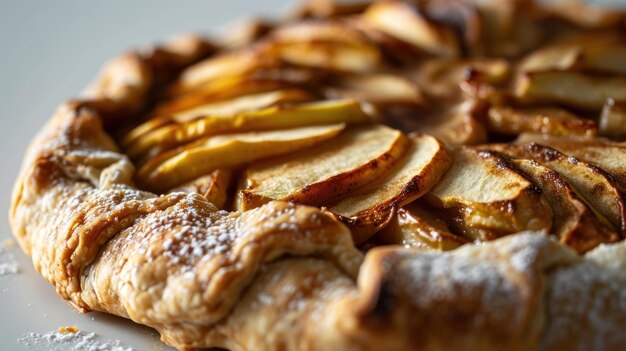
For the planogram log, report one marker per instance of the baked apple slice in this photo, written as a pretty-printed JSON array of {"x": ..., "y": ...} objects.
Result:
[
  {"x": 329, "y": 8},
  {"x": 327, "y": 172},
  {"x": 508, "y": 28},
  {"x": 242, "y": 104},
  {"x": 133, "y": 135},
  {"x": 329, "y": 55},
  {"x": 604, "y": 154},
  {"x": 613, "y": 119},
  {"x": 570, "y": 88},
  {"x": 416, "y": 226},
  {"x": 592, "y": 183},
  {"x": 331, "y": 45},
  {"x": 245, "y": 33},
  {"x": 485, "y": 197},
  {"x": 228, "y": 151},
  {"x": 219, "y": 90},
  {"x": 463, "y": 17},
  {"x": 234, "y": 63},
  {"x": 443, "y": 78},
  {"x": 319, "y": 31},
  {"x": 602, "y": 53},
  {"x": 227, "y": 107},
  {"x": 377, "y": 88},
  {"x": 575, "y": 224},
  {"x": 323, "y": 112},
  {"x": 369, "y": 208},
  {"x": 461, "y": 124},
  {"x": 241, "y": 185},
  {"x": 214, "y": 187},
  {"x": 551, "y": 121},
  {"x": 403, "y": 21}
]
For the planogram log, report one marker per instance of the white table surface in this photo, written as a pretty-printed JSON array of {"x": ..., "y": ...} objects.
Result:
[{"x": 49, "y": 51}]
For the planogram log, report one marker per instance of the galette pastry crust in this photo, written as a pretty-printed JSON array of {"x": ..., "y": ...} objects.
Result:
[{"x": 282, "y": 276}]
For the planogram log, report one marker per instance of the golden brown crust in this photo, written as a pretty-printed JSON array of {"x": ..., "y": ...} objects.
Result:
[
  {"x": 500, "y": 296},
  {"x": 282, "y": 276},
  {"x": 172, "y": 262}
]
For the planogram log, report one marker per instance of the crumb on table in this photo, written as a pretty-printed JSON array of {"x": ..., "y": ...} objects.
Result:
[{"x": 65, "y": 330}]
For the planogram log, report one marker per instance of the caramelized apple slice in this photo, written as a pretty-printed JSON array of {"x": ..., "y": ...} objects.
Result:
[
  {"x": 246, "y": 103},
  {"x": 570, "y": 88},
  {"x": 416, "y": 226},
  {"x": 377, "y": 88},
  {"x": 323, "y": 44},
  {"x": 230, "y": 64},
  {"x": 244, "y": 33},
  {"x": 214, "y": 187},
  {"x": 329, "y": 8},
  {"x": 559, "y": 57},
  {"x": 460, "y": 125},
  {"x": 393, "y": 49},
  {"x": 593, "y": 184},
  {"x": 463, "y": 17},
  {"x": 606, "y": 155},
  {"x": 323, "y": 112},
  {"x": 228, "y": 151},
  {"x": 220, "y": 90},
  {"x": 327, "y": 55},
  {"x": 239, "y": 187},
  {"x": 575, "y": 224},
  {"x": 509, "y": 28},
  {"x": 425, "y": 162},
  {"x": 229, "y": 107},
  {"x": 442, "y": 78},
  {"x": 552, "y": 121},
  {"x": 486, "y": 198},
  {"x": 335, "y": 31},
  {"x": 603, "y": 53},
  {"x": 613, "y": 119},
  {"x": 138, "y": 132},
  {"x": 327, "y": 172},
  {"x": 404, "y": 22}
]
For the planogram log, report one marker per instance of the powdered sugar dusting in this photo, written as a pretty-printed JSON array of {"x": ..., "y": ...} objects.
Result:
[
  {"x": 609, "y": 256},
  {"x": 492, "y": 281},
  {"x": 197, "y": 235},
  {"x": 300, "y": 286},
  {"x": 586, "y": 303},
  {"x": 526, "y": 249},
  {"x": 193, "y": 233},
  {"x": 445, "y": 277},
  {"x": 79, "y": 341},
  {"x": 8, "y": 264}
]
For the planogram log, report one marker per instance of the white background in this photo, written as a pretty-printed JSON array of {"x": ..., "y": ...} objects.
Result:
[{"x": 49, "y": 51}]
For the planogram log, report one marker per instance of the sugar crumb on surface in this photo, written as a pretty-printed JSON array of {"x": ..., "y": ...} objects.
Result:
[
  {"x": 70, "y": 341},
  {"x": 8, "y": 263}
]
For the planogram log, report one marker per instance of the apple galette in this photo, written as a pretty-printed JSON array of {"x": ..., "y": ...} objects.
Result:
[{"x": 428, "y": 175}]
